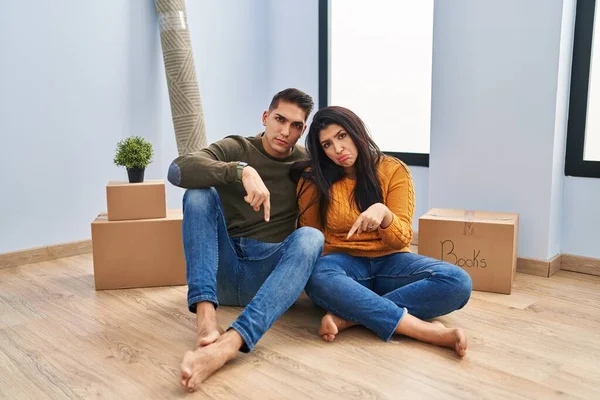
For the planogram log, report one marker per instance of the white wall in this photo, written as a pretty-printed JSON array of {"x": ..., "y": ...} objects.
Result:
[
  {"x": 293, "y": 39},
  {"x": 495, "y": 78},
  {"x": 581, "y": 218},
  {"x": 420, "y": 177},
  {"x": 65, "y": 100},
  {"x": 557, "y": 206},
  {"x": 76, "y": 78},
  {"x": 576, "y": 231}
]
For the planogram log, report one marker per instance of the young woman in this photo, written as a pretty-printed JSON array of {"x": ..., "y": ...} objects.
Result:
[{"x": 363, "y": 201}]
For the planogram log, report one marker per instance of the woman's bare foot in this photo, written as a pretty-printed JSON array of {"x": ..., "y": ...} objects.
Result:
[
  {"x": 454, "y": 338},
  {"x": 433, "y": 332},
  {"x": 207, "y": 325},
  {"x": 331, "y": 325},
  {"x": 201, "y": 363}
]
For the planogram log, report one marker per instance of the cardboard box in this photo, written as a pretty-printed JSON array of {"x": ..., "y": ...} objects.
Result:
[
  {"x": 126, "y": 201},
  {"x": 482, "y": 243},
  {"x": 138, "y": 253}
]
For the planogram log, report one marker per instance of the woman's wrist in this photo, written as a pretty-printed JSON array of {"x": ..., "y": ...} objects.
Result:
[{"x": 387, "y": 219}]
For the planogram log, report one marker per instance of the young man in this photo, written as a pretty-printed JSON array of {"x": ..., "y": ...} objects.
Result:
[{"x": 240, "y": 240}]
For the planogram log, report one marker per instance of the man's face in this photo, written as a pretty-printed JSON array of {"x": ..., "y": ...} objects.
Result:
[{"x": 283, "y": 127}]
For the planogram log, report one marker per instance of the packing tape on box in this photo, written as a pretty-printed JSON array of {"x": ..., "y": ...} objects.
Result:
[
  {"x": 469, "y": 228},
  {"x": 470, "y": 218}
]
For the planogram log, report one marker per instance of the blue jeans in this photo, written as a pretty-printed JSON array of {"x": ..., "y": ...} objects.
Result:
[
  {"x": 377, "y": 292},
  {"x": 267, "y": 278}
]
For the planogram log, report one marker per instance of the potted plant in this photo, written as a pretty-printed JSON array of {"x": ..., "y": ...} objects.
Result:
[{"x": 134, "y": 153}]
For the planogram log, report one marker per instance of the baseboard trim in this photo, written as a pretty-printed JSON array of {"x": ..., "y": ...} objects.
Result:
[
  {"x": 533, "y": 266},
  {"x": 584, "y": 265},
  {"x": 555, "y": 264},
  {"x": 547, "y": 268},
  {"x": 46, "y": 253}
]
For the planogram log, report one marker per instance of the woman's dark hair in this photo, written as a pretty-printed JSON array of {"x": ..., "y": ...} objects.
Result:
[{"x": 322, "y": 172}]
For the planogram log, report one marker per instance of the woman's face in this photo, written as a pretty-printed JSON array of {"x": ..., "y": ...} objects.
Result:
[{"x": 339, "y": 146}]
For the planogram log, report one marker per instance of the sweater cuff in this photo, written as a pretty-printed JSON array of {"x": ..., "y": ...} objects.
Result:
[
  {"x": 231, "y": 172},
  {"x": 394, "y": 235},
  {"x": 389, "y": 227}
]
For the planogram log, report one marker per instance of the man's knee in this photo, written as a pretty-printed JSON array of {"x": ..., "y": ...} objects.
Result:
[
  {"x": 308, "y": 241},
  {"x": 200, "y": 199}
]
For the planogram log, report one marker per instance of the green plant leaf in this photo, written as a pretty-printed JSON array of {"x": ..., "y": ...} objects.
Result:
[{"x": 133, "y": 152}]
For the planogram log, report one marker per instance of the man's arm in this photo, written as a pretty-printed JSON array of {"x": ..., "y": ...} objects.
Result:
[
  {"x": 211, "y": 166},
  {"x": 217, "y": 165}
]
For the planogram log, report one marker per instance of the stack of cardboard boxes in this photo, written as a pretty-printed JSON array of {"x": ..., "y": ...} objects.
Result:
[{"x": 138, "y": 242}]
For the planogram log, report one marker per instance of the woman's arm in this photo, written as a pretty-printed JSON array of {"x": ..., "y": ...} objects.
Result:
[{"x": 400, "y": 201}]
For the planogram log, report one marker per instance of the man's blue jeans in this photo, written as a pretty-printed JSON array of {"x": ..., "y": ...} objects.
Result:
[
  {"x": 267, "y": 278},
  {"x": 377, "y": 292}
]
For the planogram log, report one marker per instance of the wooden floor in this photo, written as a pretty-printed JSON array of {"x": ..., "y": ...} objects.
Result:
[{"x": 61, "y": 339}]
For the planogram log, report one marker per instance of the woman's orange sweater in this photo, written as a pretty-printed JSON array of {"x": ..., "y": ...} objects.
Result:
[{"x": 398, "y": 196}]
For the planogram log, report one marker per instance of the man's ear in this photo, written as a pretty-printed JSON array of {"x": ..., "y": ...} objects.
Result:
[
  {"x": 264, "y": 118},
  {"x": 304, "y": 129}
]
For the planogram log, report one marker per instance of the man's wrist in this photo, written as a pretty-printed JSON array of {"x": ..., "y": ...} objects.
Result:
[{"x": 240, "y": 169}]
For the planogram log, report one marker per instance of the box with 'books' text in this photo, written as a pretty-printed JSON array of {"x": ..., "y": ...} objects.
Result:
[{"x": 482, "y": 243}]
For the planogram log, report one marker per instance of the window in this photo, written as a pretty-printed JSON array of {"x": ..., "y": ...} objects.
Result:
[
  {"x": 375, "y": 57},
  {"x": 583, "y": 135}
]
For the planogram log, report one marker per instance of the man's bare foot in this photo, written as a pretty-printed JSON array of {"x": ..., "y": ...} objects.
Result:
[
  {"x": 433, "y": 332},
  {"x": 208, "y": 335},
  {"x": 331, "y": 325},
  {"x": 207, "y": 325},
  {"x": 201, "y": 363}
]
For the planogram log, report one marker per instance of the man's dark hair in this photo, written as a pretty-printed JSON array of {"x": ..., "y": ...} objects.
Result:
[{"x": 295, "y": 96}]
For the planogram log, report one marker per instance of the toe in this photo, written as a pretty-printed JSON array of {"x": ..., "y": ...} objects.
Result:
[
  {"x": 190, "y": 384},
  {"x": 185, "y": 375},
  {"x": 186, "y": 371},
  {"x": 194, "y": 383},
  {"x": 461, "y": 348}
]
